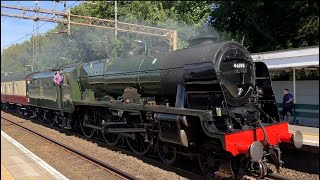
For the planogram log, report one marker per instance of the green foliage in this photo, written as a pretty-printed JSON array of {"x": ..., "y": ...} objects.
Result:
[
  {"x": 300, "y": 75},
  {"x": 269, "y": 25},
  {"x": 259, "y": 25},
  {"x": 15, "y": 58},
  {"x": 88, "y": 44}
]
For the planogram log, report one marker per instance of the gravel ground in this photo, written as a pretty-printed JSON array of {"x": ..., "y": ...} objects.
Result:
[
  {"x": 69, "y": 164},
  {"x": 127, "y": 163},
  {"x": 119, "y": 160},
  {"x": 295, "y": 175}
]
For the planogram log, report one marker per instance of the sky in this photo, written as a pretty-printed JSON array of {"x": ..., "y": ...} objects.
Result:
[{"x": 13, "y": 29}]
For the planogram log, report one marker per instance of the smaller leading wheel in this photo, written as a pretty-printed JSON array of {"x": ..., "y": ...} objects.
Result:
[{"x": 209, "y": 160}]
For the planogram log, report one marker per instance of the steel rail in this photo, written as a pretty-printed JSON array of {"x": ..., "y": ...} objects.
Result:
[
  {"x": 103, "y": 164},
  {"x": 182, "y": 172},
  {"x": 148, "y": 160},
  {"x": 276, "y": 177}
]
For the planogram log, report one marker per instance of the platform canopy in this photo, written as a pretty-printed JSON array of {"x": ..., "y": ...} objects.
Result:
[
  {"x": 307, "y": 58},
  {"x": 291, "y": 59}
]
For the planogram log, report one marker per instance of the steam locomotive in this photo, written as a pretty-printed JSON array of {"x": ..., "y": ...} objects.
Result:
[{"x": 209, "y": 101}]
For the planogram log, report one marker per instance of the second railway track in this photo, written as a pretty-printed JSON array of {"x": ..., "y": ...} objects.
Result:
[
  {"x": 178, "y": 171},
  {"x": 114, "y": 171}
]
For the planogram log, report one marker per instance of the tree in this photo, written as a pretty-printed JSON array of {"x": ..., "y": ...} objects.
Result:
[
  {"x": 268, "y": 25},
  {"x": 259, "y": 25}
]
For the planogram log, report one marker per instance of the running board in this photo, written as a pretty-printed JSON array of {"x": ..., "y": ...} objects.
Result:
[{"x": 125, "y": 130}]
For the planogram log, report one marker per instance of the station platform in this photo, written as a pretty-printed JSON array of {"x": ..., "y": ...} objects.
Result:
[
  {"x": 310, "y": 134},
  {"x": 17, "y": 162}
]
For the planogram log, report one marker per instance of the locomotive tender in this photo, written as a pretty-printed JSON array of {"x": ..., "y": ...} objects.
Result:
[{"x": 209, "y": 101}]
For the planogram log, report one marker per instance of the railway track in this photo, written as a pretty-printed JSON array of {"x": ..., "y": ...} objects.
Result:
[
  {"x": 148, "y": 160},
  {"x": 269, "y": 176},
  {"x": 277, "y": 177},
  {"x": 77, "y": 152}
]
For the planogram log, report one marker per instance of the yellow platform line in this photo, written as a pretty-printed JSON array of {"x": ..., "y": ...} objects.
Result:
[
  {"x": 306, "y": 133},
  {"x": 5, "y": 174},
  {"x": 310, "y": 137},
  {"x": 311, "y": 134}
]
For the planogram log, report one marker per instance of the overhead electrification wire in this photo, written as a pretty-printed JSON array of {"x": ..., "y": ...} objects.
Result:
[
  {"x": 6, "y": 16},
  {"x": 28, "y": 34},
  {"x": 1, "y": 27}
]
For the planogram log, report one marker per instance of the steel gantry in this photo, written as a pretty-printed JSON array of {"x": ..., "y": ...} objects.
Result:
[{"x": 41, "y": 14}]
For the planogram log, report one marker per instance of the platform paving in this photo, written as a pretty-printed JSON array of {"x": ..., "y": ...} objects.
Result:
[
  {"x": 19, "y": 163},
  {"x": 310, "y": 134}
]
